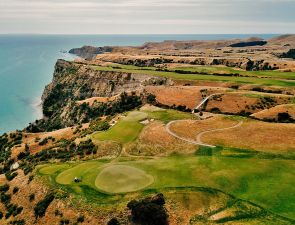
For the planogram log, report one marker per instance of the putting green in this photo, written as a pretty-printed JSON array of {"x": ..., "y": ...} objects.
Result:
[{"x": 122, "y": 179}]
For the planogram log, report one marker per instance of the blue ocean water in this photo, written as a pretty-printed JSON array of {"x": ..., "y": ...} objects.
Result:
[{"x": 27, "y": 63}]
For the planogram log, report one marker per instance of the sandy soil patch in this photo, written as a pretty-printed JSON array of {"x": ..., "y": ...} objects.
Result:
[{"x": 92, "y": 100}]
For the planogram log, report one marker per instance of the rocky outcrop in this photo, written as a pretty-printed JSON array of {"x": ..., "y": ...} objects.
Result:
[
  {"x": 83, "y": 81},
  {"x": 243, "y": 63},
  {"x": 89, "y": 52}
]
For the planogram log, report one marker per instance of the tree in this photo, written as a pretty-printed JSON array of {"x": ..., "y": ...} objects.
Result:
[
  {"x": 113, "y": 221},
  {"x": 149, "y": 211}
]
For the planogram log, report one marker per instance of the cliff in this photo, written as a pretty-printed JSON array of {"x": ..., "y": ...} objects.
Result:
[
  {"x": 89, "y": 52},
  {"x": 73, "y": 82}
]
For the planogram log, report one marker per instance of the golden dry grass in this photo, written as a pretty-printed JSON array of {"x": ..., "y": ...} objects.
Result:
[
  {"x": 272, "y": 113},
  {"x": 257, "y": 135},
  {"x": 252, "y": 134},
  {"x": 191, "y": 128},
  {"x": 155, "y": 141},
  {"x": 2, "y": 179},
  {"x": 235, "y": 102},
  {"x": 231, "y": 103},
  {"x": 37, "y": 187},
  {"x": 188, "y": 96},
  {"x": 29, "y": 138}
]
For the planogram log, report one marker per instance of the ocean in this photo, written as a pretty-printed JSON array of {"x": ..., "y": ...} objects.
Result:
[{"x": 27, "y": 64}]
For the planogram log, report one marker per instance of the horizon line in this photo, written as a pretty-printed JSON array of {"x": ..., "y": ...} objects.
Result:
[{"x": 146, "y": 33}]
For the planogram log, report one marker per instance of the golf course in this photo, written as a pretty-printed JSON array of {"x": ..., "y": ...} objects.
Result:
[{"x": 258, "y": 177}]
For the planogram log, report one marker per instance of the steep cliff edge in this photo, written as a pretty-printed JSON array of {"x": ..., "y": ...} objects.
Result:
[
  {"x": 73, "y": 82},
  {"x": 89, "y": 52}
]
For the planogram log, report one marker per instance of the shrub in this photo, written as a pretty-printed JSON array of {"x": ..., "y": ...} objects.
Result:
[
  {"x": 113, "y": 221},
  {"x": 64, "y": 221},
  {"x": 31, "y": 177},
  {"x": 98, "y": 125},
  {"x": 17, "y": 222},
  {"x": 31, "y": 197},
  {"x": 41, "y": 207},
  {"x": 58, "y": 213},
  {"x": 285, "y": 118},
  {"x": 151, "y": 99},
  {"x": 15, "y": 190},
  {"x": 150, "y": 211},
  {"x": 4, "y": 188},
  {"x": 81, "y": 219},
  {"x": 10, "y": 176}
]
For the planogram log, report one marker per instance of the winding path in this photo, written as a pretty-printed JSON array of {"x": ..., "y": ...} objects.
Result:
[
  {"x": 198, "y": 140},
  {"x": 203, "y": 101},
  {"x": 199, "y": 136}
]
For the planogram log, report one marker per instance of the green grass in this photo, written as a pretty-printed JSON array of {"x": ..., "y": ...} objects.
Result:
[
  {"x": 122, "y": 179},
  {"x": 126, "y": 130},
  {"x": 229, "y": 70},
  {"x": 49, "y": 170},
  {"x": 272, "y": 80},
  {"x": 83, "y": 171},
  {"x": 269, "y": 183},
  {"x": 169, "y": 115}
]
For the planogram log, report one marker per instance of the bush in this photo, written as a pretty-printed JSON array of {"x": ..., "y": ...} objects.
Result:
[
  {"x": 285, "y": 118},
  {"x": 10, "y": 176},
  {"x": 41, "y": 207},
  {"x": 80, "y": 219},
  {"x": 150, "y": 211},
  {"x": 31, "y": 177},
  {"x": 113, "y": 221},
  {"x": 98, "y": 125},
  {"x": 31, "y": 197},
  {"x": 151, "y": 99},
  {"x": 4, "y": 188},
  {"x": 17, "y": 222},
  {"x": 15, "y": 190},
  {"x": 64, "y": 221}
]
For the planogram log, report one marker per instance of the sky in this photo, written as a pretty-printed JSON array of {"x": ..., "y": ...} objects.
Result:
[{"x": 147, "y": 16}]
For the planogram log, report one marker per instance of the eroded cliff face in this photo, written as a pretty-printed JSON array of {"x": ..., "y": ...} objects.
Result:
[
  {"x": 72, "y": 82},
  {"x": 80, "y": 81}
]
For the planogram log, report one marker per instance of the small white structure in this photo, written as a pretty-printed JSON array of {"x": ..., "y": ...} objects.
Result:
[{"x": 14, "y": 166}]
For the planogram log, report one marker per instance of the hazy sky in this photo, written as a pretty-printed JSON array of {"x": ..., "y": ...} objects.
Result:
[{"x": 147, "y": 16}]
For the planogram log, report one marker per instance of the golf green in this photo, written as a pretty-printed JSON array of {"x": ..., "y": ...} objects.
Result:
[{"x": 122, "y": 179}]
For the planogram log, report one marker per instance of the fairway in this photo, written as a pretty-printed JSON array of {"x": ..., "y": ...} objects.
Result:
[
  {"x": 122, "y": 179},
  {"x": 126, "y": 130},
  {"x": 252, "y": 79},
  {"x": 246, "y": 178}
]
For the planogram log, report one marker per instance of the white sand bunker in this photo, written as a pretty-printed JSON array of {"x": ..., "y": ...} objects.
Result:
[{"x": 121, "y": 179}]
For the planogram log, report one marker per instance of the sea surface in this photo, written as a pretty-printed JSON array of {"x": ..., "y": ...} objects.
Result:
[{"x": 27, "y": 64}]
